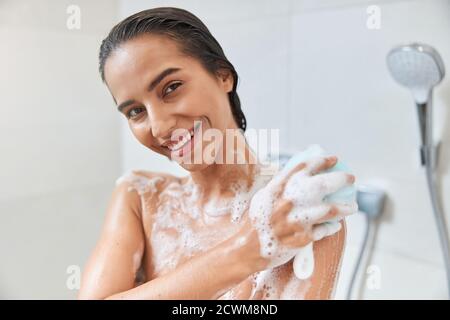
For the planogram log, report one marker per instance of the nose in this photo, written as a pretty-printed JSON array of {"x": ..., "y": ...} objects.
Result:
[{"x": 161, "y": 122}]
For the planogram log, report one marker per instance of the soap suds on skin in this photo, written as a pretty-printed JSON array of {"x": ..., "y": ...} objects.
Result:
[
  {"x": 307, "y": 194},
  {"x": 178, "y": 230},
  {"x": 229, "y": 295},
  {"x": 178, "y": 225},
  {"x": 140, "y": 183},
  {"x": 295, "y": 289},
  {"x": 266, "y": 283}
]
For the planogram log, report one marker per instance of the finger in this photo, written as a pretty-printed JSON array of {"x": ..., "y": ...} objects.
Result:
[
  {"x": 298, "y": 239},
  {"x": 287, "y": 230},
  {"x": 308, "y": 215},
  {"x": 277, "y": 219},
  {"x": 332, "y": 181},
  {"x": 338, "y": 211},
  {"x": 307, "y": 168},
  {"x": 321, "y": 213},
  {"x": 320, "y": 164},
  {"x": 281, "y": 177},
  {"x": 279, "y": 222},
  {"x": 282, "y": 208},
  {"x": 325, "y": 229},
  {"x": 280, "y": 180},
  {"x": 313, "y": 165}
]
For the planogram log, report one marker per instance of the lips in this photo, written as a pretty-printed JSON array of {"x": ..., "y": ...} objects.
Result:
[{"x": 183, "y": 140}]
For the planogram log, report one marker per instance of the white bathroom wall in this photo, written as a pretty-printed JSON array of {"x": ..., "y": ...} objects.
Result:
[
  {"x": 316, "y": 71},
  {"x": 348, "y": 102},
  {"x": 60, "y": 143}
]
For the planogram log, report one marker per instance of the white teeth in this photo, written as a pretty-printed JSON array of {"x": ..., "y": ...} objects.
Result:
[{"x": 186, "y": 138}]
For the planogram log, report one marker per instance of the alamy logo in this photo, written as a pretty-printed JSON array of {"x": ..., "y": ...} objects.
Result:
[
  {"x": 373, "y": 281},
  {"x": 374, "y": 17},
  {"x": 73, "y": 21},
  {"x": 73, "y": 281}
]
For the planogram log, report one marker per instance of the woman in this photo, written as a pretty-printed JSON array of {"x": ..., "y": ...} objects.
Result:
[{"x": 166, "y": 237}]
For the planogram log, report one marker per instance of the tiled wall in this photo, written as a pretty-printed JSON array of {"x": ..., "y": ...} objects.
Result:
[
  {"x": 59, "y": 142},
  {"x": 314, "y": 70}
]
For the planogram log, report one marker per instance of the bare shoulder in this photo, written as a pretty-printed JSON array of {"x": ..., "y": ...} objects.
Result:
[
  {"x": 133, "y": 185},
  {"x": 144, "y": 181}
]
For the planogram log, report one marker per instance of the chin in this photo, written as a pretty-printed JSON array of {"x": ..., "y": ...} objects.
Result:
[
  {"x": 188, "y": 161},
  {"x": 190, "y": 164},
  {"x": 194, "y": 167}
]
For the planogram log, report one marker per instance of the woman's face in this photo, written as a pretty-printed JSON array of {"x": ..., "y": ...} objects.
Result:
[{"x": 163, "y": 93}]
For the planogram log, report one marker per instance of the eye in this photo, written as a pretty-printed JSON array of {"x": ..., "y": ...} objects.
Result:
[
  {"x": 134, "y": 112},
  {"x": 172, "y": 87}
]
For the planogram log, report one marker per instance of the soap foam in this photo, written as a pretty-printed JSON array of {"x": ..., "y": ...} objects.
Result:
[
  {"x": 177, "y": 231},
  {"x": 326, "y": 229},
  {"x": 229, "y": 295},
  {"x": 239, "y": 202},
  {"x": 179, "y": 211},
  {"x": 177, "y": 234},
  {"x": 295, "y": 289},
  {"x": 308, "y": 195},
  {"x": 266, "y": 283},
  {"x": 304, "y": 260},
  {"x": 140, "y": 183},
  {"x": 302, "y": 194}
]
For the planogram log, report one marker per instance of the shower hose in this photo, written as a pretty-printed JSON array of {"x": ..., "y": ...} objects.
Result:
[{"x": 440, "y": 223}]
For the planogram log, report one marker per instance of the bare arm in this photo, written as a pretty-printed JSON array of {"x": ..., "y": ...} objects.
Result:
[
  {"x": 111, "y": 270},
  {"x": 113, "y": 263},
  {"x": 328, "y": 254},
  {"x": 205, "y": 276}
]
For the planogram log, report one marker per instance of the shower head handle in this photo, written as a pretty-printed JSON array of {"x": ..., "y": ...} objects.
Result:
[{"x": 417, "y": 66}]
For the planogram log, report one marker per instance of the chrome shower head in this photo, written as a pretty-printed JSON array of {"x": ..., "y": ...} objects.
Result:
[{"x": 418, "y": 67}]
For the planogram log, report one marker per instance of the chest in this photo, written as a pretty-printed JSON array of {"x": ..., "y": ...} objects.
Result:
[{"x": 181, "y": 227}]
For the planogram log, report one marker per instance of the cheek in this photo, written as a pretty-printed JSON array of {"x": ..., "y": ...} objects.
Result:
[
  {"x": 215, "y": 108},
  {"x": 219, "y": 116},
  {"x": 142, "y": 134},
  {"x": 204, "y": 99}
]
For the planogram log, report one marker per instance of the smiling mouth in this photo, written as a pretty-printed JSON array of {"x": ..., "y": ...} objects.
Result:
[{"x": 184, "y": 139}]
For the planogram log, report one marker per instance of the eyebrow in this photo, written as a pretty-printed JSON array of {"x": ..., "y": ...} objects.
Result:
[{"x": 152, "y": 85}]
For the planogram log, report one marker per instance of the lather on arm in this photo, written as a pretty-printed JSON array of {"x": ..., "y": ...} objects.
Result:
[
  {"x": 111, "y": 269},
  {"x": 328, "y": 254}
]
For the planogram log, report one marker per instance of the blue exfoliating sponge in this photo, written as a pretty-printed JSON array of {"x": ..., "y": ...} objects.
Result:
[{"x": 344, "y": 195}]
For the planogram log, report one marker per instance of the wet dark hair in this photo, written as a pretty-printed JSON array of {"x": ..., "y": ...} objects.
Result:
[{"x": 191, "y": 35}]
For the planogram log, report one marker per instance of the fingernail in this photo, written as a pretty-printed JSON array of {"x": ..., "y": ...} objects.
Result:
[
  {"x": 332, "y": 158},
  {"x": 351, "y": 178}
]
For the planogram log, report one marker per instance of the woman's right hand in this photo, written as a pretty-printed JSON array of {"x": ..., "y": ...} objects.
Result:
[{"x": 289, "y": 212}]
